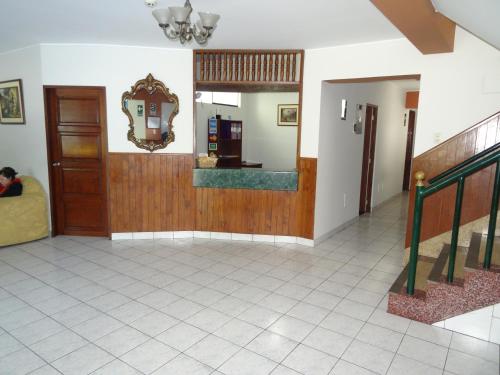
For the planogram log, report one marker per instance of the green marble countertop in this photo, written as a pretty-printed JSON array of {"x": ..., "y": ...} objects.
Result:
[{"x": 245, "y": 178}]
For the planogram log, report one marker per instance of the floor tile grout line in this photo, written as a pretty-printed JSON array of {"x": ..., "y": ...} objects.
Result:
[
  {"x": 29, "y": 349},
  {"x": 69, "y": 328},
  {"x": 244, "y": 348},
  {"x": 293, "y": 257},
  {"x": 143, "y": 332}
]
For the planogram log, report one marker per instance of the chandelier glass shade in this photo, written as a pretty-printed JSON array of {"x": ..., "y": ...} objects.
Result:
[{"x": 176, "y": 23}]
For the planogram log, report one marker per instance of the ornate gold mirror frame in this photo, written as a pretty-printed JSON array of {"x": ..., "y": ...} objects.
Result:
[{"x": 151, "y": 86}]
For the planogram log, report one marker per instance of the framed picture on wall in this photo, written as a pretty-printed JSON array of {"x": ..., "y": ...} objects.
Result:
[
  {"x": 153, "y": 108},
  {"x": 153, "y": 122},
  {"x": 12, "y": 102},
  {"x": 288, "y": 114}
]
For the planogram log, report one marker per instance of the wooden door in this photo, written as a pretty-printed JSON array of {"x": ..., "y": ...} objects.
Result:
[
  {"x": 77, "y": 153},
  {"x": 409, "y": 150},
  {"x": 365, "y": 197}
]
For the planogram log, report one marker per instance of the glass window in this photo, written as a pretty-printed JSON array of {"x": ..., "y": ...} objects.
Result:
[
  {"x": 204, "y": 97},
  {"x": 232, "y": 99},
  {"x": 226, "y": 98}
]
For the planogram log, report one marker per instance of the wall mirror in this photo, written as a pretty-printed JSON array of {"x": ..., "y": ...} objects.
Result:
[{"x": 150, "y": 108}]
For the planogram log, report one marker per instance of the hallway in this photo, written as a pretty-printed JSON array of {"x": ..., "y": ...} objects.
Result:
[{"x": 76, "y": 305}]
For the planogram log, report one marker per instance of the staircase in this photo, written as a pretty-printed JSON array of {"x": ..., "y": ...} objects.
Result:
[
  {"x": 435, "y": 299},
  {"x": 458, "y": 279}
]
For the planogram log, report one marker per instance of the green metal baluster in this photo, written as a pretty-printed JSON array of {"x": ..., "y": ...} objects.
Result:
[
  {"x": 493, "y": 219},
  {"x": 415, "y": 237},
  {"x": 456, "y": 228}
]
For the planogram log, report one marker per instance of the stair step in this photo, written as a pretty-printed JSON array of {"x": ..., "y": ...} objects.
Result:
[
  {"x": 477, "y": 249},
  {"x": 424, "y": 268},
  {"x": 435, "y": 270},
  {"x": 497, "y": 230},
  {"x": 440, "y": 271},
  {"x": 434, "y": 299}
]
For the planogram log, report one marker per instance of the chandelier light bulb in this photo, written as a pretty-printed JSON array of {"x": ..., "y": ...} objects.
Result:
[
  {"x": 162, "y": 16},
  {"x": 176, "y": 23}
]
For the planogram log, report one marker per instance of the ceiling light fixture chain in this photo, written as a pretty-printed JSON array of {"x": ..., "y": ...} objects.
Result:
[{"x": 176, "y": 23}]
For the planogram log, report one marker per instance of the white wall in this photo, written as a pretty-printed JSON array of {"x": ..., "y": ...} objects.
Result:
[
  {"x": 341, "y": 151},
  {"x": 263, "y": 140},
  {"x": 23, "y": 147},
  {"x": 115, "y": 67},
  {"x": 118, "y": 68},
  {"x": 390, "y": 147},
  {"x": 455, "y": 89}
]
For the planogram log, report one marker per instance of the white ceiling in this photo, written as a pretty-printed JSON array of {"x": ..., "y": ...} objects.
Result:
[
  {"x": 243, "y": 24},
  {"x": 480, "y": 17}
]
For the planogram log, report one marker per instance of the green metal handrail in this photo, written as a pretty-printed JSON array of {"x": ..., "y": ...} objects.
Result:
[
  {"x": 457, "y": 167},
  {"x": 458, "y": 177}
]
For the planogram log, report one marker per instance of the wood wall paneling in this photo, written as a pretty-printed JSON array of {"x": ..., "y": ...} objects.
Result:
[
  {"x": 439, "y": 208},
  {"x": 154, "y": 193}
]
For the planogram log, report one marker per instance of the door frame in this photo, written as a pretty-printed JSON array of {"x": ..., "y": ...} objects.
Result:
[
  {"x": 104, "y": 154},
  {"x": 409, "y": 147},
  {"x": 365, "y": 206}
]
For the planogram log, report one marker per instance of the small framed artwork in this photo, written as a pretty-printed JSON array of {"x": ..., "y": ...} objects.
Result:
[
  {"x": 153, "y": 122},
  {"x": 288, "y": 114},
  {"x": 12, "y": 102},
  {"x": 140, "y": 110},
  {"x": 212, "y": 146},
  {"x": 153, "y": 108}
]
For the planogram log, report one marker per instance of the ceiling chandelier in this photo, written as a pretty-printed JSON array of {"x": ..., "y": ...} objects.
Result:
[{"x": 176, "y": 23}]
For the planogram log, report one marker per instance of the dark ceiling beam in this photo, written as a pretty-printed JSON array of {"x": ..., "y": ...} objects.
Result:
[{"x": 429, "y": 31}]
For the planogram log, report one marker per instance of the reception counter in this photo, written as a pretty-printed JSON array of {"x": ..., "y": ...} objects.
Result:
[{"x": 245, "y": 178}]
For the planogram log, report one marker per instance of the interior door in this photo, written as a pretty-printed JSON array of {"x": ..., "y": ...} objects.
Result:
[
  {"x": 365, "y": 197},
  {"x": 77, "y": 150},
  {"x": 409, "y": 150}
]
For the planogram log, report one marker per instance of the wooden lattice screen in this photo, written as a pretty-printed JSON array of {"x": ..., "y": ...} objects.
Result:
[{"x": 278, "y": 69}]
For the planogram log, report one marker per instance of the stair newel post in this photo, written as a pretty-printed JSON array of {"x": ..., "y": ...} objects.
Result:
[
  {"x": 415, "y": 237},
  {"x": 493, "y": 218},
  {"x": 456, "y": 228}
]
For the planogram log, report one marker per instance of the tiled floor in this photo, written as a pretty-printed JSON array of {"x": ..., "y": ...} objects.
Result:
[
  {"x": 483, "y": 324},
  {"x": 80, "y": 305}
]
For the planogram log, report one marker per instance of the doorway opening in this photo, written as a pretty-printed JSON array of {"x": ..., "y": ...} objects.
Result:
[
  {"x": 363, "y": 142},
  {"x": 77, "y": 155},
  {"x": 410, "y": 141},
  {"x": 365, "y": 196}
]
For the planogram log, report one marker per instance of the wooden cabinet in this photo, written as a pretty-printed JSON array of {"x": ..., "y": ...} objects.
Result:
[{"x": 224, "y": 140}]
